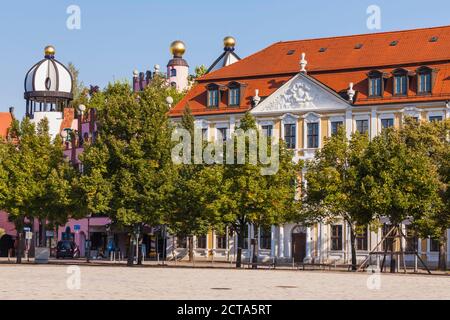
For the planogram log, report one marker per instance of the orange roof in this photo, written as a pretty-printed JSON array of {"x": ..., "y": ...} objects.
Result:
[
  {"x": 5, "y": 123},
  {"x": 336, "y": 65}
]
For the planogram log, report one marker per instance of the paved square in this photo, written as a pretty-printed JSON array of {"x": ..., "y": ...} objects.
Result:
[{"x": 104, "y": 282}]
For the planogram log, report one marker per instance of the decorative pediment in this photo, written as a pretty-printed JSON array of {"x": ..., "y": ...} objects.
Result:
[{"x": 299, "y": 94}]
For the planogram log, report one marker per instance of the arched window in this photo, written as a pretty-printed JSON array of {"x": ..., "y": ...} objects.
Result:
[
  {"x": 173, "y": 72},
  {"x": 234, "y": 96},
  {"x": 401, "y": 82},
  {"x": 376, "y": 85},
  {"x": 213, "y": 95},
  {"x": 424, "y": 80}
]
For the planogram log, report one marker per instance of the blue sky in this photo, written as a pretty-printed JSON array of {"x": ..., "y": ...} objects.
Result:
[{"x": 117, "y": 37}]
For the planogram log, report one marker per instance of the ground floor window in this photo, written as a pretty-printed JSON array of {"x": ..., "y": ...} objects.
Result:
[
  {"x": 201, "y": 242},
  {"x": 388, "y": 243},
  {"x": 361, "y": 238},
  {"x": 434, "y": 245},
  {"x": 246, "y": 237},
  {"x": 336, "y": 237},
  {"x": 265, "y": 236},
  {"x": 221, "y": 241},
  {"x": 181, "y": 242},
  {"x": 411, "y": 240}
]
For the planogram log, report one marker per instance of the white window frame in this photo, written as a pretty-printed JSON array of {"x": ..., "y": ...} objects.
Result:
[
  {"x": 335, "y": 119},
  {"x": 222, "y": 125},
  {"x": 436, "y": 114},
  {"x": 384, "y": 116},
  {"x": 289, "y": 118},
  {"x": 358, "y": 117},
  {"x": 311, "y": 117}
]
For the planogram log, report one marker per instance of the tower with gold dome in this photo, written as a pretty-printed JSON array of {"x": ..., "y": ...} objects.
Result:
[
  {"x": 178, "y": 68},
  {"x": 227, "y": 57}
]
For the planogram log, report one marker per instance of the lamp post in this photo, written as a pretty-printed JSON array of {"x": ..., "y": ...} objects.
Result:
[{"x": 88, "y": 242}]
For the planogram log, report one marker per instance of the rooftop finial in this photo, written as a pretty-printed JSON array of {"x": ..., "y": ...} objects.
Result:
[
  {"x": 178, "y": 48},
  {"x": 351, "y": 92},
  {"x": 256, "y": 98},
  {"x": 303, "y": 63},
  {"x": 229, "y": 43},
  {"x": 49, "y": 52}
]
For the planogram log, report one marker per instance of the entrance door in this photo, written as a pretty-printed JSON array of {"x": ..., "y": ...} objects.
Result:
[{"x": 299, "y": 246}]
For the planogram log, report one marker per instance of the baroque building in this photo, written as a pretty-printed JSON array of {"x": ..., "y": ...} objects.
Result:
[{"x": 304, "y": 90}]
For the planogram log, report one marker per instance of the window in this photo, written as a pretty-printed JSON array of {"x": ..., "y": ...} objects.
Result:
[
  {"x": 267, "y": 130},
  {"x": 221, "y": 241},
  {"x": 245, "y": 237},
  {"x": 411, "y": 240},
  {"x": 173, "y": 84},
  {"x": 336, "y": 237},
  {"x": 375, "y": 84},
  {"x": 222, "y": 133},
  {"x": 362, "y": 126},
  {"x": 435, "y": 118},
  {"x": 424, "y": 84},
  {"x": 173, "y": 72},
  {"x": 387, "y": 123},
  {"x": 335, "y": 125},
  {"x": 434, "y": 245},
  {"x": 388, "y": 243},
  {"x": 235, "y": 97},
  {"x": 313, "y": 135},
  {"x": 201, "y": 242},
  {"x": 289, "y": 135},
  {"x": 181, "y": 242},
  {"x": 213, "y": 98},
  {"x": 265, "y": 236},
  {"x": 205, "y": 134},
  {"x": 361, "y": 239},
  {"x": 400, "y": 84}
]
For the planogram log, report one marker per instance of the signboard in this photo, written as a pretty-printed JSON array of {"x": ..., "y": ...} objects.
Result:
[
  {"x": 28, "y": 235},
  {"x": 26, "y": 229},
  {"x": 77, "y": 228},
  {"x": 49, "y": 234}
]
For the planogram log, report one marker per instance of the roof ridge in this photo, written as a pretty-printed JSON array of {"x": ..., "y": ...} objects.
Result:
[{"x": 363, "y": 34}]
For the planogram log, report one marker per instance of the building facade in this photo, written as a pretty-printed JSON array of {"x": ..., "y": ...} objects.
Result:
[{"x": 304, "y": 91}]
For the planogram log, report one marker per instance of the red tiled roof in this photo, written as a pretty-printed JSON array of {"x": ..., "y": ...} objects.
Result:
[
  {"x": 340, "y": 64},
  {"x": 5, "y": 123}
]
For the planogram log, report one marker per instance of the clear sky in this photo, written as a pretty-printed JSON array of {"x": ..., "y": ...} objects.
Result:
[{"x": 117, "y": 37}]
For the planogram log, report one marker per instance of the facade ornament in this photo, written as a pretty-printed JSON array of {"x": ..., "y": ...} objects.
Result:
[
  {"x": 256, "y": 98},
  {"x": 303, "y": 63},
  {"x": 351, "y": 92}
]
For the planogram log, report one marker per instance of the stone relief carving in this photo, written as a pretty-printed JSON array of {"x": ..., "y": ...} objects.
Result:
[{"x": 299, "y": 95}]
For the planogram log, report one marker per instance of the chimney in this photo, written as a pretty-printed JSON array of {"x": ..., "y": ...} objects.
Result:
[
  {"x": 303, "y": 63},
  {"x": 11, "y": 111},
  {"x": 135, "y": 81}
]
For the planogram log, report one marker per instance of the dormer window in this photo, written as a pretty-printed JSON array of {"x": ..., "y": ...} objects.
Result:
[
  {"x": 234, "y": 94},
  {"x": 401, "y": 82},
  {"x": 424, "y": 80},
  {"x": 376, "y": 86},
  {"x": 213, "y": 96}
]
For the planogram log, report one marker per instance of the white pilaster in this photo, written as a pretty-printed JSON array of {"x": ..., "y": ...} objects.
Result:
[
  {"x": 348, "y": 122},
  {"x": 308, "y": 243},
  {"x": 373, "y": 123},
  {"x": 272, "y": 242},
  {"x": 281, "y": 242}
]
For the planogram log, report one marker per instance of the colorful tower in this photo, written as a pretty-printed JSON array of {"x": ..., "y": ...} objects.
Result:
[
  {"x": 48, "y": 91},
  {"x": 227, "y": 57},
  {"x": 178, "y": 68}
]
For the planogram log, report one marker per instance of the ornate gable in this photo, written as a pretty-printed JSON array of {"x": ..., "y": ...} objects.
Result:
[{"x": 301, "y": 94}]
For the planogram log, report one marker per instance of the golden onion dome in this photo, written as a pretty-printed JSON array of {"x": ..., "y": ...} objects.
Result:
[
  {"x": 49, "y": 50},
  {"x": 229, "y": 42},
  {"x": 177, "y": 48}
]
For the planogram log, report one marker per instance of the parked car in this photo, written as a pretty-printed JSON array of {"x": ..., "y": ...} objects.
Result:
[{"x": 67, "y": 249}]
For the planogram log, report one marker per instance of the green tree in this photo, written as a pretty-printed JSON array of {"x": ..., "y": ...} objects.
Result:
[
  {"x": 400, "y": 182},
  {"x": 249, "y": 197},
  {"x": 129, "y": 167},
  {"x": 334, "y": 189},
  {"x": 431, "y": 138},
  {"x": 35, "y": 178}
]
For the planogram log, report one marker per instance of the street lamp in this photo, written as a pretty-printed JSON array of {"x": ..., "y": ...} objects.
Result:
[{"x": 88, "y": 242}]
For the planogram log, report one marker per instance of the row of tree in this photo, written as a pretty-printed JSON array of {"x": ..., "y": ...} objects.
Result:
[{"x": 129, "y": 176}]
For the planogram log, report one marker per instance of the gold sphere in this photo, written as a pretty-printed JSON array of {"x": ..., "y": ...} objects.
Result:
[
  {"x": 177, "y": 48},
  {"x": 229, "y": 42},
  {"x": 50, "y": 50}
]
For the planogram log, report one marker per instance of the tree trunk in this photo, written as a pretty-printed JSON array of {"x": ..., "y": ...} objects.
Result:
[
  {"x": 353, "y": 246},
  {"x": 443, "y": 251},
  {"x": 255, "y": 247},
  {"x": 130, "y": 252},
  {"x": 240, "y": 235},
  {"x": 191, "y": 249},
  {"x": 19, "y": 247}
]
